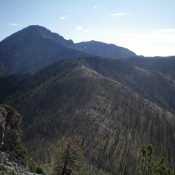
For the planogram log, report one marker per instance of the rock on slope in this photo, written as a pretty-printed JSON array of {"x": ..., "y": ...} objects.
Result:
[{"x": 13, "y": 156}]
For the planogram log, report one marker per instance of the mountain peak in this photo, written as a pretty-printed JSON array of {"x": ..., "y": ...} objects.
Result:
[
  {"x": 105, "y": 50},
  {"x": 46, "y": 33},
  {"x": 35, "y": 46},
  {"x": 32, "y": 48},
  {"x": 38, "y": 27},
  {"x": 35, "y": 31}
]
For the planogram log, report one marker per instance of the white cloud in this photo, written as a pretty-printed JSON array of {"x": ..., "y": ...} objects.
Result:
[
  {"x": 82, "y": 29},
  {"x": 155, "y": 43},
  {"x": 119, "y": 14},
  {"x": 79, "y": 28},
  {"x": 168, "y": 30},
  {"x": 86, "y": 30},
  {"x": 62, "y": 17},
  {"x": 14, "y": 24}
]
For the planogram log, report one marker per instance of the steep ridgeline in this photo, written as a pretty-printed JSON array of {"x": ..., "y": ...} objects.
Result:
[
  {"x": 105, "y": 50},
  {"x": 105, "y": 117},
  {"x": 164, "y": 65},
  {"x": 33, "y": 48},
  {"x": 152, "y": 86},
  {"x": 13, "y": 157}
]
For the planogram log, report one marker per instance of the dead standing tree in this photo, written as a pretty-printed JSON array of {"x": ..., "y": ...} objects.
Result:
[{"x": 69, "y": 157}]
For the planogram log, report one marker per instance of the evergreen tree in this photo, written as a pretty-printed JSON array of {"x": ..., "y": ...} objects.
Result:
[{"x": 151, "y": 166}]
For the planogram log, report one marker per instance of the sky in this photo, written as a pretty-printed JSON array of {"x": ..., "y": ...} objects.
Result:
[{"x": 146, "y": 27}]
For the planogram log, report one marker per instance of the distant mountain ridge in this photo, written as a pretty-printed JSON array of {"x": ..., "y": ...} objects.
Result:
[
  {"x": 164, "y": 65},
  {"x": 105, "y": 50},
  {"x": 43, "y": 32},
  {"x": 35, "y": 47}
]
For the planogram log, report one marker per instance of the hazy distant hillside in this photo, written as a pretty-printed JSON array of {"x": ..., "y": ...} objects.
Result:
[
  {"x": 165, "y": 65},
  {"x": 76, "y": 99},
  {"x": 105, "y": 50},
  {"x": 33, "y": 48}
]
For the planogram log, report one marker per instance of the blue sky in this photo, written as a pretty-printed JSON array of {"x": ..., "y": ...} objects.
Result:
[{"x": 146, "y": 27}]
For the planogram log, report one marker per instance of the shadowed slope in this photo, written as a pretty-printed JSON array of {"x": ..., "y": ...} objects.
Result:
[{"x": 109, "y": 121}]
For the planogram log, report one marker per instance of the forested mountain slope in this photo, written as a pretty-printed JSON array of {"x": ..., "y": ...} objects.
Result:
[
  {"x": 75, "y": 98},
  {"x": 164, "y": 65}
]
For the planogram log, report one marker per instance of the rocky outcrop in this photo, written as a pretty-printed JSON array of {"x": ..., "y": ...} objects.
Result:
[
  {"x": 14, "y": 159},
  {"x": 9, "y": 128},
  {"x": 12, "y": 165}
]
